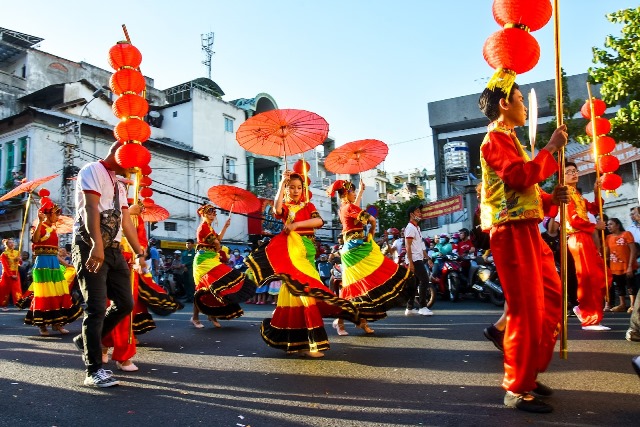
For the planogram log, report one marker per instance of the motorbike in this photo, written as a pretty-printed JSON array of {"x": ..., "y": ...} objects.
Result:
[
  {"x": 485, "y": 282},
  {"x": 450, "y": 283}
]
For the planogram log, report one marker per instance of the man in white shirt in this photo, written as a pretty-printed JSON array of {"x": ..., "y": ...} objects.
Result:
[{"x": 415, "y": 258}]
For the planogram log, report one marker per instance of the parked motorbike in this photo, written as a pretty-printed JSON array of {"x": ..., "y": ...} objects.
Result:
[
  {"x": 485, "y": 282},
  {"x": 450, "y": 283}
]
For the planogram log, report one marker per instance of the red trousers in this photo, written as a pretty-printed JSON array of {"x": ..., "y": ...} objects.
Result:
[
  {"x": 533, "y": 293},
  {"x": 590, "y": 274},
  {"x": 10, "y": 288}
]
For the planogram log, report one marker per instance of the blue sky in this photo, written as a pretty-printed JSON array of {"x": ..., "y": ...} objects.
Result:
[{"x": 368, "y": 67}]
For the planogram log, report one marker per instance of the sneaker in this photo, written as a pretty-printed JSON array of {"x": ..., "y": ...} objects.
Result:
[
  {"x": 526, "y": 402},
  {"x": 411, "y": 312},
  {"x": 619, "y": 308},
  {"x": 495, "y": 336},
  {"x": 632, "y": 335},
  {"x": 596, "y": 328},
  {"x": 424, "y": 311},
  {"x": 79, "y": 343},
  {"x": 100, "y": 378}
]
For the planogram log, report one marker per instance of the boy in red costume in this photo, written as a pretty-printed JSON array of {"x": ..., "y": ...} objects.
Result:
[{"x": 512, "y": 205}]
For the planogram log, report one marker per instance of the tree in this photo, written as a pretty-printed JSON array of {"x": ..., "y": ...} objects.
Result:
[
  {"x": 394, "y": 214},
  {"x": 620, "y": 75}
]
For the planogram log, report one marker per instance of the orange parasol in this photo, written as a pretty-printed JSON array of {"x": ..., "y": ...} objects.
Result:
[
  {"x": 27, "y": 187},
  {"x": 64, "y": 225},
  {"x": 282, "y": 132},
  {"x": 356, "y": 156},
  {"x": 154, "y": 213},
  {"x": 234, "y": 199}
]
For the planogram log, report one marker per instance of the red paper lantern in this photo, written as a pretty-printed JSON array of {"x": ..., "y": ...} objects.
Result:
[
  {"x": 512, "y": 49},
  {"x": 124, "y": 54},
  {"x": 127, "y": 80},
  {"x": 145, "y": 170},
  {"x": 603, "y": 126},
  {"x": 145, "y": 181},
  {"x": 148, "y": 202},
  {"x": 533, "y": 14},
  {"x": 599, "y": 108},
  {"x": 146, "y": 192},
  {"x": 132, "y": 155},
  {"x": 608, "y": 163},
  {"x": 605, "y": 144},
  {"x": 132, "y": 130},
  {"x": 44, "y": 192},
  {"x": 611, "y": 181},
  {"x": 298, "y": 166},
  {"x": 129, "y": 105},
  {"x": 304, "y": 198}
]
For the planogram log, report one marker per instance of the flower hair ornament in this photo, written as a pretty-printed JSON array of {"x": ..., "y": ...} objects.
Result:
[
  {"x": 46, "y": 204},
  {"x": 341, "y": 186},
  {"x": 206, "y": 209}
]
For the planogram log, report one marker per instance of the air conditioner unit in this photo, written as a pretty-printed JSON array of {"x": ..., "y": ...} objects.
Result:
[{"x": 232, "y": 177}]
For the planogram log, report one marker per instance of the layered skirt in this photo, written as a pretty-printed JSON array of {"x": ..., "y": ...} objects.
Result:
[
  {"x": 303, "y": 299},
  {"x": 371, "y": 281},
  {"x": 51, "y": 302},
  {"x": 219, "y": 288}
]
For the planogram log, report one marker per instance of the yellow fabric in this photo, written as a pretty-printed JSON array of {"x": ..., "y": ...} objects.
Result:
[
  {"x": 364, "y": 267},
  {"x": 50, "y": 289},
  {"x": 501, "y": 204},
  {"x": 580, "y": 207},
  {"x": 298, "y": 255}
]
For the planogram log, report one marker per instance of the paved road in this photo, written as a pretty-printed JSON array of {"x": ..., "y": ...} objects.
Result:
[{"x": 415, "y": 371}]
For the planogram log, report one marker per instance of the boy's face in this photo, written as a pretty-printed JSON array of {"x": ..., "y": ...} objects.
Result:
[
  {"x": 570, "y": 175},
  {"x": 514, "y": 112}
]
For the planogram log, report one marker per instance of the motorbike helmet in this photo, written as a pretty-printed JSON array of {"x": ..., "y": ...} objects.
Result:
[
  {"x": 393, "y": 231},
  {"x": 444, "y": 236},
  {"x": 456, "y": 235}
]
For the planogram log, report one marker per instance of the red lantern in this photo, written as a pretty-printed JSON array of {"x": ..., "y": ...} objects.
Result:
[
  {"x": 605, "y": 144},
  {"x": 146, "y": 192},
  {"x": 603, "y": 126},
  {"x": 298, "y": 166},
  {"x": 132, "y": 155},
  {"x": 127, "y": 80},
  {"x": 148, "y": 202},
  {"x": 145, "y": 181},
  {"x": 599, "y": 108},
  {"x": 608, "y": 163},
  {"x": 145, "y": 170},
  {"x": 132, "y": 130},
  {"x": 44, "y": 192},
  {"x": 512, "y": 49},
  {"x": 124, "y": 54},
  {"x": 308, "y": 181},
  {"x": 611, "y": 181},
  {"x": 533, "y": 14},
  {"x": 304, "y": 198},
  {"x": 129, "y": 105}
]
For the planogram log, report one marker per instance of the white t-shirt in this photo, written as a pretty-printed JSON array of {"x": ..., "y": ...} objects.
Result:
[
  {"x": 397, "y": 245},
  {"x": 94, "y": 178},
  {"x": 417, "y": 244}
]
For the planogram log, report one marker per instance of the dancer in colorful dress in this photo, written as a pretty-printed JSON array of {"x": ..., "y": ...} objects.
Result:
[
  {"x": 52, "y": 303},
  {"x": 10, "y": 279},
  {"x": 512, "y": 205},
  {"x": 296, "y": 325},
  {"x": 370, "y": 281},
  {"x": 219, "y": 288}
]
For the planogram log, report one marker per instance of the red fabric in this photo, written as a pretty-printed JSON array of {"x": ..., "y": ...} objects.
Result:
[
  {"x": 9, "y": 282},
  {"x": 119, "y": 336},
  {"x": 302, "y": 215},
  {"x": 142, "y": 234},
  {"x": 349, "y": 214},
  {"x": 51, "y": 241},
  {"x": 590, "y": 274},
  {"x": 206, "y": 234},
  {"x": 582, "y": 224},
  {"x": 533, "y": 292}
]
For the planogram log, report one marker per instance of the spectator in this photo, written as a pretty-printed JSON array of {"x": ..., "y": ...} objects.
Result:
[
  {"x": 25, "y": 271},
  {"x": 156, "y": 264},
  {"x": 187, "y": 276},
  {"x": 324, "y": 268}
]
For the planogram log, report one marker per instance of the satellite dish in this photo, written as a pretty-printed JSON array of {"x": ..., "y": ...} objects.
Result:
[{"x": 154, "y": 114}]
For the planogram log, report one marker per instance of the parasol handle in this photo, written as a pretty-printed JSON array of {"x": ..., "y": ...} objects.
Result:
[
  {"x": 24, "y": 222},
  {"x": 231, "y": 210}
]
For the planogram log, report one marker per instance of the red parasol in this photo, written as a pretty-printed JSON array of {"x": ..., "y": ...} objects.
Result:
[
  {"x": 154, "y": 213},
  {"x": 64, "y": 225},
  {"x": 27, "y": 187},
  {"x": 282, "y": 132},
  {"x": 234, "y": 199},
  {"x": 356, "y": 156}
]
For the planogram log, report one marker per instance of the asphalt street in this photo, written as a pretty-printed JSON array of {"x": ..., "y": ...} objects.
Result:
[{"x": 417, "y": 370}]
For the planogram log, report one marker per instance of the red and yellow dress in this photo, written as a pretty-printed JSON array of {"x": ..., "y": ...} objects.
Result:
[
  {"x": 371, "y": 281},
  {"x": 52, "y": 303},
  {"x": 10, "y": 279},
  {"x": 219, "y": 288},
  {"x": 303, "y": 300},
  {"x": 512, "y": 206},
  {"x": 588, "y": 262}
]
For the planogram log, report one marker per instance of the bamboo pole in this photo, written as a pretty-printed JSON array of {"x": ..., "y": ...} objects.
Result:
[{"x": 561, "y": 162}]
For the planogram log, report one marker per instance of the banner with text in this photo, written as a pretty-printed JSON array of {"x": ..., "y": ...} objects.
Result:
[{"x": 442, "y": 207}]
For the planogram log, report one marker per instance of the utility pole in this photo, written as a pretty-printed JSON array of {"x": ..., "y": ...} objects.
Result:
[
  {"x": 71, "y": 141},
  {"x": 207, "y": 47}
]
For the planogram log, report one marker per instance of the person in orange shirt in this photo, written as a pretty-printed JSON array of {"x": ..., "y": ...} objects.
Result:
[
  {"x": 10, "y": 280},
  {"x": 622, "y": 261}
]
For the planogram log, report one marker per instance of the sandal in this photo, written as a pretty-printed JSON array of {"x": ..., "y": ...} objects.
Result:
[
  {"x": 215, "y": 322},
  {"x": 339, "y": 328},
  {"x": 196, "y": 323},
  {"x": 312, "y": 354},
  {"x": 43, "y": 331},
  {"x": 60, "y": 329},
  {"x": 365, "y": 327}
]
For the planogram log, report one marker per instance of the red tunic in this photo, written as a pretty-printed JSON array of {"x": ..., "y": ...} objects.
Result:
[{"x": 296, "y": 212}]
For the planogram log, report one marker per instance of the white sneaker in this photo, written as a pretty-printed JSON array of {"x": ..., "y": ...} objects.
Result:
[
  {"x": 101, "y": 378},
  {"x": 425, "y": 311},
  {"x": 411, "y": 312},
  {"x": 596, "y": 328}
]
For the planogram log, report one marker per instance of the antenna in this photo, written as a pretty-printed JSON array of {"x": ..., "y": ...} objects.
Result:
[{"x": 207, "y": 46}]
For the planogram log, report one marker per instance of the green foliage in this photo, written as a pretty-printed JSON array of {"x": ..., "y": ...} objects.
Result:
[
  {"x": 619, "y": 75},
  {"x": 394, "y": 214}
]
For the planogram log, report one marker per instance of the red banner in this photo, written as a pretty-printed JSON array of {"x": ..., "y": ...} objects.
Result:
[
  {"x": 624, "y": 151},
  {"x": 442, "y": 207},
  {"x": 264, "y": 222}
]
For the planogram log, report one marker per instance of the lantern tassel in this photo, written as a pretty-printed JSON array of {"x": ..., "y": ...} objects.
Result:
[{"x": 503, "y": 79}]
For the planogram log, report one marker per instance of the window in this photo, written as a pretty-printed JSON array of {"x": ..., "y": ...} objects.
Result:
[
  {"x": 228, "y": 124},
  {"x": 229, "y": 165},
  {"x": 170, "y": 226},
  {"x": 175, "y": 114}
]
